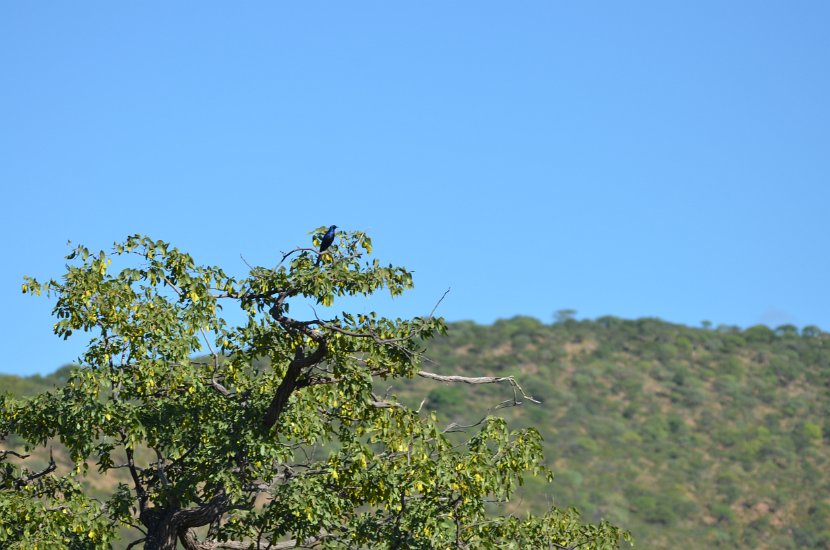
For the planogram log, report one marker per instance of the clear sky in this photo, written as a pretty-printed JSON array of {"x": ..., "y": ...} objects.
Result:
[{"x": 663, "y": 159}]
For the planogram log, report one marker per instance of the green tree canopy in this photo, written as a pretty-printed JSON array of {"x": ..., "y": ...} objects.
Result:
[{"x": 219, "y": 449}]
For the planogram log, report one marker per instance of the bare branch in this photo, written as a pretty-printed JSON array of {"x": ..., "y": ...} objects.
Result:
[
  {"x": 219, "y": 387},
  {"x": 478, "y": 380},
  {"x": 385, "y": 405},
  {"x": 207, "y": 342},
  {"x": 13, "y": 453},
  {"x": 174, "y": 287},
  {"x": 246, "y": 262},
  {"x": 456, "y": 427},
  {"x": 431, "y": 313}
]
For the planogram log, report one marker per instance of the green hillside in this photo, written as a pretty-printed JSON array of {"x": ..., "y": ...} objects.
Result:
[
  {"x": 679, "y": 434},
  {"x": 705, "y": 438},
  {"x": 32, "y": 385}
]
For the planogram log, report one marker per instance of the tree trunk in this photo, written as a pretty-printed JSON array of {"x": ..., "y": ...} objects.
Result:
[
  {"x": 161, "y": 530},
  {"x": 165, "y": 526}
]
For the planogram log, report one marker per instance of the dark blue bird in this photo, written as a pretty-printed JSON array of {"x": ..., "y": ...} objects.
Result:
[{"x": 328, "y": 238}]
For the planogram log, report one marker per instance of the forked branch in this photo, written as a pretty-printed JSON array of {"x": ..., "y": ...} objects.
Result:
[{"x": 479, "y": 380}]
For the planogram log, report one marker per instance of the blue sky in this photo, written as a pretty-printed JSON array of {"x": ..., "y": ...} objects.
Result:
[{"x": 633, "y": 159}]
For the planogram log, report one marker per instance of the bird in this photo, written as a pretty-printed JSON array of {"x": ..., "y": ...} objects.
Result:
[{"x": 328, "y": 238}]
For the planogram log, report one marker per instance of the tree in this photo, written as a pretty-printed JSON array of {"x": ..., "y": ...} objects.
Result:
[
  {"x": 221, "y": 450},
  {"x": 564, "y": 315}
]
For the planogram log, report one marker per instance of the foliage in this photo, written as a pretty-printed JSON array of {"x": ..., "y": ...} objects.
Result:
[
  {"x": 49, "y": 512},
  {"x": 231, "y": 443}
]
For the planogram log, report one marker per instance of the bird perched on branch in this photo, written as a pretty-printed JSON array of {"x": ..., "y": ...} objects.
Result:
[{"x": 328, "y": 238}]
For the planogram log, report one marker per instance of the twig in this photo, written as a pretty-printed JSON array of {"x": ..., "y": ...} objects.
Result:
[
  {"x": 246, "y": 262},
  {"x": 431, "y": 313}
]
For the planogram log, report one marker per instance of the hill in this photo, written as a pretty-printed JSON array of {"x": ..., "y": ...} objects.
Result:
[
  {"x": 715, "y": 437},
  {"x": 32, "y": 385},
  {"x": 679, "y": 434}
]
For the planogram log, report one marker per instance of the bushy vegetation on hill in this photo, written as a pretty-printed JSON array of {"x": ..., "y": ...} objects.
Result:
[
  {"x": 716, "y": 437},
  {"x": 33, "y": 385},
  {"x": 711, "y": 437}
]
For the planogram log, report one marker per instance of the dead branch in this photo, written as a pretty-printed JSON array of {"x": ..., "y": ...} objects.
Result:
[
  {"x": 478, "y": 380},
  {"x": 438, "y": 303}
]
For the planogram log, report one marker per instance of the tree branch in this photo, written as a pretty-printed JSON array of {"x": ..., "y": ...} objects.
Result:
[
  {"x": 33, "y": 476},
  {"x": 438, "y": 303},
  {"x": 191, "y": 542},
  {"x": 290, "y": 382},
  {"x": 295, "y": 543},
  {"x": 196, "y": 517},
  {"x": 369, "y": 334},
  {"x": 13, "y": 453},
  {"x": 139, "y": 488},
  {"x": 478, "y": 380}
]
